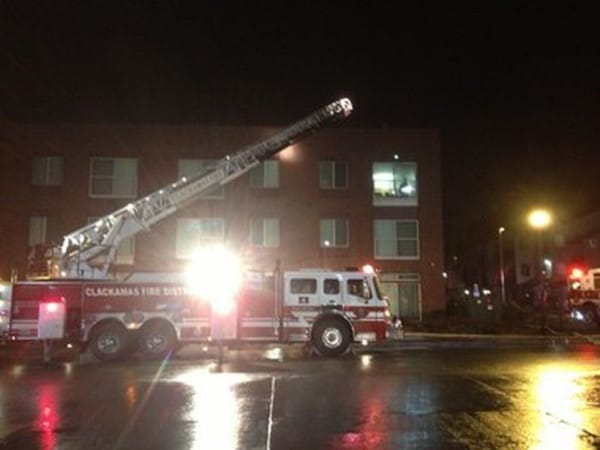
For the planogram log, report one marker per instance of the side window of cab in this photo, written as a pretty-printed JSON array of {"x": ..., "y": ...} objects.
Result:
[
  {"x": 331, "y": 286},
  {"x": 359, "y": 288},
  {"x": 303, "y": 286}
]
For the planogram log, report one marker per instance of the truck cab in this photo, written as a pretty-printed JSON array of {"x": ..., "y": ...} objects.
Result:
[{"x": 331, "y": 309}]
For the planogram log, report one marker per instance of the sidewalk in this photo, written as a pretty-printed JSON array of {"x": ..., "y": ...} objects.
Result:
[
  {"x": 528, "y": 327},
  {"x": 523, "y": 338}
]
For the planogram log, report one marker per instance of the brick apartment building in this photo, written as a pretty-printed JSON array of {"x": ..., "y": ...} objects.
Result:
[{"x": 343, "y": 197}]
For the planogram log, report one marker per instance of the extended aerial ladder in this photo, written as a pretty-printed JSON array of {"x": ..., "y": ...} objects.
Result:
[{"x": 89, "y": 251}]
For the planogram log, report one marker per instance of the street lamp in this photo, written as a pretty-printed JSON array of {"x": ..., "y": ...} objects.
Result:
[
  {"x": 501, "y": 256},
  {"x": 539, "y": 219}
]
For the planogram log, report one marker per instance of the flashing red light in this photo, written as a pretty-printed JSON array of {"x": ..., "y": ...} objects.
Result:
[
  {"x": 368, "y": 268},
  {"x": 576, "y": 273}
]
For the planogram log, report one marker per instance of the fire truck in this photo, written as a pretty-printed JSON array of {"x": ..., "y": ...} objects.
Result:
[
  {"x": 584, "y": 292},
  {"x": 155, "y": 314}
]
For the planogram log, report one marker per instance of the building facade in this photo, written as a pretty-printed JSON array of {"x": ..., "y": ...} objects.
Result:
[{"x": 343, "y": 197}]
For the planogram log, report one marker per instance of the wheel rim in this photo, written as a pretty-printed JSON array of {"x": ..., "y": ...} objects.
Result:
[
  {"x": 108, "y": 343},
  {"x": 156, "y": 343},
  {"x": 589, "y": 315},
  {"x": 332, "y": 337}
]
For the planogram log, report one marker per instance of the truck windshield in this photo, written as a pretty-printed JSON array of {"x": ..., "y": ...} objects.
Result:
[{"x": 378, "y": 291}]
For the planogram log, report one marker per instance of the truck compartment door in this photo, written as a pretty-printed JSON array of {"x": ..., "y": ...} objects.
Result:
[{"x": 51, "y": 320}]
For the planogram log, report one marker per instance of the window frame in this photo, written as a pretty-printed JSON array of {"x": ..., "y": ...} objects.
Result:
[
  {"x": 332, "y": 169},
  {"x": 112, "y": 177},
  {"x": 40, "y": 224},
  {"x": 416, "y": 239},
  {"x": 333, "y": 242},
  {"x": 190, "y": 246},
  {"x": 44, "y": 165},
  {"x": 263, "y": 221},
  {"x": 298, "y": 284},
  {"x": 265, "y": 166}
]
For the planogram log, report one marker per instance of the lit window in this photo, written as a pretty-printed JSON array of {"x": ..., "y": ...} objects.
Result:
[
  {"x": 395, "y": 184},
  {"x": 396, "y": 239},
  {"x": 264, "y": 232},
  {"x": 194, "y": 233},
  {"x": 334, "y": 233},
  {"x": 194, "y": 167},
  {"x": 265, "y": 175},
  {"x": 47, "y": 171},
  {"x": 333, "y": 175},
  {"x": 113, "y": 177}
]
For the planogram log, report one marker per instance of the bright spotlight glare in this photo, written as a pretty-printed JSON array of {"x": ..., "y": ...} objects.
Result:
[
  {"x": 539, "y": 218},
  {"x": 215, "y": 274},
  {"x": 368, "y": 268}
]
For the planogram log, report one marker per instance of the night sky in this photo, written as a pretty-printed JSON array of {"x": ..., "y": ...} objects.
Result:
[{"x": 514, "y": 89}]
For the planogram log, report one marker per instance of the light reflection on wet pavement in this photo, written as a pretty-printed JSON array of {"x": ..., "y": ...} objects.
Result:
[{"x": 464, "y": 398}]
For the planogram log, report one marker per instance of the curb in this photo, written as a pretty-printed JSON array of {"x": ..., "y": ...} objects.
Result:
[{"x": 466, "y": 339}]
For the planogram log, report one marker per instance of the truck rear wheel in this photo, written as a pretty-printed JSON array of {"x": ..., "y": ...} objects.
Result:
[
  {"x": 590, "y": 313},
  {"x": 331, "y": 337},
  {"x": 110, "y": 342},
  {"x": 157, "y": 340}
]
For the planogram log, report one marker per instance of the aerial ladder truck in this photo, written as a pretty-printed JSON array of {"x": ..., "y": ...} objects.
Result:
[{"x": 79, "y": 302}]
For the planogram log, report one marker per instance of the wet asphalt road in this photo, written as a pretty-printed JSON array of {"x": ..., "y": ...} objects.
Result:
[{"x": 421, "y": 397}]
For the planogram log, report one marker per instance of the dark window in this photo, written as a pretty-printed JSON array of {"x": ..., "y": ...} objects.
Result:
[
  {"x": 303, "y": 286},
  {"x": 331, "y": 286}
]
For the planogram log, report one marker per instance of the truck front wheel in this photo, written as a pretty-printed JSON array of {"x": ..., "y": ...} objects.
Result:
[
  {"x": 331, "y": 337},
  {"x": 590, "y": 313},
  {"x": 157, "y": 340},
  {"x": 109, "y": 342}
]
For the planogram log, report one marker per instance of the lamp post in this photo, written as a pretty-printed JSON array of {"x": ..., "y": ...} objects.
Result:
[
  {"x": 501, "y": 256},
  {"x": 539, "y": 219}
]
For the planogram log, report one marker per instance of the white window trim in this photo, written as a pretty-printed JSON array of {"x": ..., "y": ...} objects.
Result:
[
  {"x": 42, "y": 222},
  {"x": 334, "y": 187},
  {"x": 92, "y": 195},
  {"x": 399, "y": 258},
  {"x": 346, "y": 221},
  {"x": 263, "y": 219},
  {"x": 46, "y": 181},
  {"x": 263, "y": 167}
]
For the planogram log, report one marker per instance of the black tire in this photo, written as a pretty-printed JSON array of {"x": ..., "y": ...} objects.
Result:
[
  {"x": 331, "y": 337},
  {"x": 157, "y": 340},
  {"x": 110, "y": 342},
  {"x": 590, "y": 313}
]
